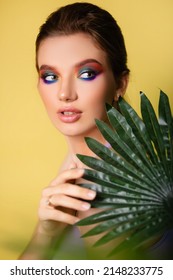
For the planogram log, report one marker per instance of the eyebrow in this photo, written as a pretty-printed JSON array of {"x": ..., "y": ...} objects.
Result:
[
  {"x": 86, "y": 61},
  {"x": 45, "y": 67}
]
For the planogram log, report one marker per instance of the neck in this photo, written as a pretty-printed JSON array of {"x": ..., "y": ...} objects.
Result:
[{"x": 77, "y": 145}]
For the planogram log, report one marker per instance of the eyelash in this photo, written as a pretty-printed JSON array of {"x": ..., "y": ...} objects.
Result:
[
  {"x": 50, "y": 78},
  {"x": 53, "y": 78},
  {"x": 93, "y": 74}
]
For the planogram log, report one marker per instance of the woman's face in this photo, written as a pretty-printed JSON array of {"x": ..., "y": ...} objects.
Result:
[{"x": 75, "y": 82}]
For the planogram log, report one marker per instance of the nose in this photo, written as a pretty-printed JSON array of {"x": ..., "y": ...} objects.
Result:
[{"x": 67, "y": 91}]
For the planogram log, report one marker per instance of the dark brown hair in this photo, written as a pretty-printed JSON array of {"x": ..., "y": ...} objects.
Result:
[{"x": 90, "y": 19}]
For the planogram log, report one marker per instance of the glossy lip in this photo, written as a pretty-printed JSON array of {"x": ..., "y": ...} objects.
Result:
[{"x": 69, "y": 118}]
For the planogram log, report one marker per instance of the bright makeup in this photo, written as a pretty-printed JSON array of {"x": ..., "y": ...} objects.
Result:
[
  {"x": 89, "y": 70},
  {"x": 48, "y": 74},
  {"x": 86, "y": 70}
]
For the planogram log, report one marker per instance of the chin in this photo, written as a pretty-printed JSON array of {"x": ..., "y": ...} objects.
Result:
[{"x": 77, "y": 131}]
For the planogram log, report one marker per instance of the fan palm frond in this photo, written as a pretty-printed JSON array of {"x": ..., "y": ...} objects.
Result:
[{"x": 133, "y": 179}]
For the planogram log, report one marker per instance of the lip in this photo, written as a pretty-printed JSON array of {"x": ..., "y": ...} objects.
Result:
[{"x": 74, "y": 114}]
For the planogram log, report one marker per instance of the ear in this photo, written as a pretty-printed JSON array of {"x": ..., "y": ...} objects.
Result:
[{"x": 122, "y": 86}]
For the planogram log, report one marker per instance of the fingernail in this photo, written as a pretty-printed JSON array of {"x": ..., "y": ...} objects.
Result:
[
  {"x": 82, "y": 169},
  {"x": 77, "y": 220},
  {"x": 91, "y": 194},
  {"x": 86, "y": 206}
]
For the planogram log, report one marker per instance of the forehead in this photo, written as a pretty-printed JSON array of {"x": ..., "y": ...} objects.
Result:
[{"x": 69, "y": 49}]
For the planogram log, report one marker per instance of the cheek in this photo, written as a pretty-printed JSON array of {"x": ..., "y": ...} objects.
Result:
[
  {"x": 98, "y": 92},
  {"x": 45, "y": 95}
]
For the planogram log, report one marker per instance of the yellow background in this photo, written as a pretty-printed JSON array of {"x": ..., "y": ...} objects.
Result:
[{"x": 31, "y": 149}]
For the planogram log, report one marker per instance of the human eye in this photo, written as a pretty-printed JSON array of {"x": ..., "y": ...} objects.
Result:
[
  {"x": 49, "y": 77},
  {"x": 87, "y": 74}
]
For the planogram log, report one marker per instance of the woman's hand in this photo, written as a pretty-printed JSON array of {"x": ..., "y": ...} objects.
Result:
[{"x": 61, "y": 200}]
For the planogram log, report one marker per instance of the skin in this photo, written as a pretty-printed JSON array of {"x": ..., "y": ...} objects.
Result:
[
  {"x": 71, "y": 75},
  {"x": 72, "y": 87}
]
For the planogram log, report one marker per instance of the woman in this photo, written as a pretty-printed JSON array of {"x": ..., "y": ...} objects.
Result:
[{"x": 81, "y": 62}]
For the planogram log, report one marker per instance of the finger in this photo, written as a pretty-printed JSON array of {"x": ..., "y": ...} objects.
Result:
[
  {"x": 59, "y": 216},
  {"x": 68, "y": 175},
  {"x": 70, "y": 190},
  {"x": 69, "y": 202},
  {"x": 73, "y": 165}
]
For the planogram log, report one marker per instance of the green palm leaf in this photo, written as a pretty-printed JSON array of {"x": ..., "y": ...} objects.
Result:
[
  {"x": 133, "y": 179},
  {"x": 141, "y": 133},
  {"x": 153, "y": 128},
  {"x": 166, "y": 125}
]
